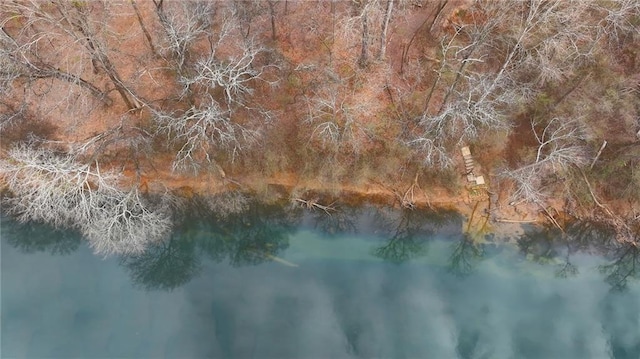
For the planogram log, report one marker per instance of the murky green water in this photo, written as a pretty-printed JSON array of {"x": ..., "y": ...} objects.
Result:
[{"x": 287, "y": 284}]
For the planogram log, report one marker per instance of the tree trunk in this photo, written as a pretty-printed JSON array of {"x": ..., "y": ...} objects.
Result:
[
  {"x": 99, "y": 56},
  {"x": 61, "y": 75},
  {"x": 364, "y": 54},
  {"x": 441, "y": 6},
  {"x": 143, "y": 27},
  {"x": 385, "y": 27},
  {"x": 44, "y": 70},
  {"x": 272, "y": 12},
  {"x": 459, "y": 74}
]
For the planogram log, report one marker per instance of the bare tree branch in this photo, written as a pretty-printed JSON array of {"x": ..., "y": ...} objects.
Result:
[{"x": 58, "y": 189}]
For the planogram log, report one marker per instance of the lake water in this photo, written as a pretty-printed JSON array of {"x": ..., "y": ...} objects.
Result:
[{"x": 288, "y": 284}]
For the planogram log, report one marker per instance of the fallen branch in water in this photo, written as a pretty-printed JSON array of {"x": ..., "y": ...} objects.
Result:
[
  {"x": 274, "y": 258},
  {"x": 280, "y": 260},
  {"x": 312, "y": 204},
  {"x": 505, "y": 220}
]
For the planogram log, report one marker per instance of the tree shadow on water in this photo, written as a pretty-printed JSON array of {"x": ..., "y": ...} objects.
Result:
[
  {"x": 408, "y": 232},
  {"x": 35, "y": 237}
]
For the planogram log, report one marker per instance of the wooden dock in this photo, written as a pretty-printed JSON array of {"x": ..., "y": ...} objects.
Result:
[
  {"x": 468, "y": 160},
  {"x": 469, "y": 167}
]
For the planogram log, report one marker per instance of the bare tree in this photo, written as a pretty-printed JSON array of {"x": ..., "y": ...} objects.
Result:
[
  {"x": 432, "y": 151},
  {"x": 58, "y": 189},
  {"x": 494, "y": 61},
  {"x": 184, "y": 23},
  {"x": 336, "y": 121},
  {"x": 10, "y": 116},
  {"x": 472, "y": 112},
  {"x": 385, "y": 28},
  {"x": 63, "y": 35},
  {"x": 560, "y": 145},
  {"x": 245, "y": 11},
  {"x": 367, "y": 25},
  {"x": 125, "y": 224},
  {"x": 567, "y": 40},
  {"x": 618, "y": 18},
  {"x": 528, "y": 184},
  {"x": 233, "y": 75},
  {"x": 458, "y": 118},
  {"x": 24, "y": 54},
  {"x": 364, "y": 48},
  {"x": 200, "y": 130},
  {"x": 48, "y": 187},
  {"x": 221, "y": 116},
  {"x": 272, "y": 17},
  {"x": 85, "y": 33}
]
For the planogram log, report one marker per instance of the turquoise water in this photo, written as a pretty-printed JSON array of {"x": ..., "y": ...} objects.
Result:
[{"x": 277, "y": 283}]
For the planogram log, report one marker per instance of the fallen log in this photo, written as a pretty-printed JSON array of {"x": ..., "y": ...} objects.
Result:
[{"x": 506, "y": 220}]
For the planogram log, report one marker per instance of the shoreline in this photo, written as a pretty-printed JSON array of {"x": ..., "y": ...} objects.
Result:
[
  {"x": 480, "y": 218},
  {"x": 484, "y": 215}
]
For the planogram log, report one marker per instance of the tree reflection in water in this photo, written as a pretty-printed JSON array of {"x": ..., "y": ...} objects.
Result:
[
  {"x": 581, "y": 236},
  {"x": 261, "y": 232},
  {"x": 250, "y": 237},
  {"x": 540, "y": 244},
  {"x": 167, "y": 265},
  {"x": 38, "y": 237},
  {"x": 465, "y": 256},
  {"x": 342, "y": 221},
  {"x": 550, "y": 246},
  {"x": 624, "y": 257},
  {"x": 409, "y": 231},
  {"x": 623, "y": 267}
]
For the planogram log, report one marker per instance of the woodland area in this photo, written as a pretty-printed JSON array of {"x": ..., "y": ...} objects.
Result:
[{"x": 115, "y": 113}]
